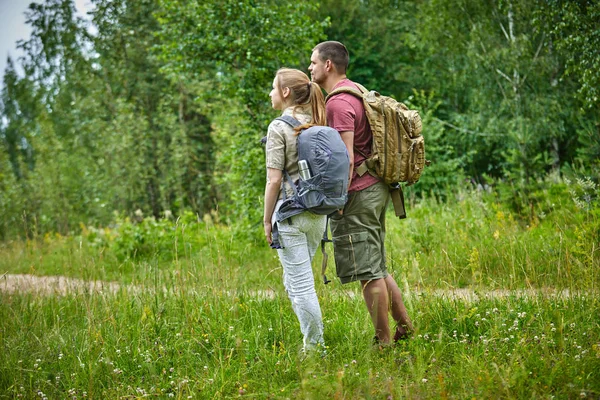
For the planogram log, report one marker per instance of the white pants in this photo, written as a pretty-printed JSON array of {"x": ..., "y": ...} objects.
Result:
[{"x": 300, "y": 239}]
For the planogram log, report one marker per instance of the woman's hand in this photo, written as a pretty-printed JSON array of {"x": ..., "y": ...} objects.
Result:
[
  {"x": 274, "y": 178},
  {"x": 268, "y": 232}
]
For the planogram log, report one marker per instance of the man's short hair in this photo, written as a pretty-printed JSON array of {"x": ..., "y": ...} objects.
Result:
[{"x": 336, "y": 52}]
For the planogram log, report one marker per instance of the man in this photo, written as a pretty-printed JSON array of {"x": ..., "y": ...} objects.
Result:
[{"x": 359, "y": 231}]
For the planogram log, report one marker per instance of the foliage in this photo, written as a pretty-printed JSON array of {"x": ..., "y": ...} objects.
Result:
[
  {"x": 573, "y": 26},
  {"x": 18, "y": 107},
  {"x": 528, "y": 241},
  {"x": 142, "y": 239},
  {"x": 204, "y": 315},
  {"x": 519, "y": 125},
  {"x": 238, "y": 45},
  {"x": 381, "y": 41},
  {"x": 187, "y": 309},
  {"x": 158, "y": 105},
  {"x": 503, "y": 104},
  {"x": 108, "y": 131}
]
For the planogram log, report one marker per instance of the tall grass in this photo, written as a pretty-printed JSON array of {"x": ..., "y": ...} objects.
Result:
[
  {"x": 195, "y": 341},
  {"x": 202, "y": 313},
  {"x": 472, "y": 239}
]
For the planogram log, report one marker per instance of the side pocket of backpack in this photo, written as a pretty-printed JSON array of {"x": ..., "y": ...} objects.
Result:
[
  {"x": 413, "y": 123},
  {"x": 416, "y": 160},
  {"x": 309, "y": 193}
]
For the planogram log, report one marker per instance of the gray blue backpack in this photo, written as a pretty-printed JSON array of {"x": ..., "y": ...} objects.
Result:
[{"x": 326, "y": 190}]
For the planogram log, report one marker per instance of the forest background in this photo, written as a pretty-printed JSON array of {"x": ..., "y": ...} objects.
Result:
[
  {"x": 156, "y": 107},
  {"x": 131, "y": 167}
]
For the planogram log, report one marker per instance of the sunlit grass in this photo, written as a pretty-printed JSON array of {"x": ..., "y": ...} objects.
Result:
[
  {"x": 468, "y": 241},
  {"x": 201, "y": 312},
  {"x": 196, "y": 341}
]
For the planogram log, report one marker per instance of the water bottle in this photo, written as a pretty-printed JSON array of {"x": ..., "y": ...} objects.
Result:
[{"x": 303, "y": 170}]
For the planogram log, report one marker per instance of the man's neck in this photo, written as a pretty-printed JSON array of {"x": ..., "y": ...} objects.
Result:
[{"x": 332, "y": 81}]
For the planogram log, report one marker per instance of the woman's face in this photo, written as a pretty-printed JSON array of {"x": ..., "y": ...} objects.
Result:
[{"x": 276, "y": 100}]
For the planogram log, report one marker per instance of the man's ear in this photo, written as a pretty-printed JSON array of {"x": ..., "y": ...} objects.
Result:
[{"x": 328, "y": 65}]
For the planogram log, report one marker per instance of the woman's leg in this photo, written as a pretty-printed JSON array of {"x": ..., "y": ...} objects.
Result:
[{"x": 299, "y": 280}]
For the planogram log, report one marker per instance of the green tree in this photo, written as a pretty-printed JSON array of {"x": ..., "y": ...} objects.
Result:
[
  {"x": 161, "y": 106},
  {"x": 175, "y": 151},
  {"x": 18, "y": 107},
  {"x": 109, "y": 131},
  {"x": 498, "y": 77},
  {"x": 237, "y": 46},
  {"x": 572, "y": 28},
  {"x": 380, "y": 38}
]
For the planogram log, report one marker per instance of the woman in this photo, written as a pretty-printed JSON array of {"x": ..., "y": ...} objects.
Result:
[{"x": 296, "y": 96}]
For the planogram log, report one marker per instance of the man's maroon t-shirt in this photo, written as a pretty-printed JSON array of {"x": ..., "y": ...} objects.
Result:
[{"x": 346, "y": 112}]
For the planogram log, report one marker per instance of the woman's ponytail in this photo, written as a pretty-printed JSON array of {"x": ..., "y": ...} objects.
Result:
[
  {"x": 303, "y": 92},
  {"x": 317, "y": 104}
]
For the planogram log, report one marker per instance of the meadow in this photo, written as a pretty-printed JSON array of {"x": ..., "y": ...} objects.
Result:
[{"x": 201, "y": 311}]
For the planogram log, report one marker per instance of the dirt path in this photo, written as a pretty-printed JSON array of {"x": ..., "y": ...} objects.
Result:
[
  {"x": 61, "y": 285},
  {"x": 49, "y": 285}
]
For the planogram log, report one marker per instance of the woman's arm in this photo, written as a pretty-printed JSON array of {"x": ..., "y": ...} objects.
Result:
[{"x": 274, "y": 178}]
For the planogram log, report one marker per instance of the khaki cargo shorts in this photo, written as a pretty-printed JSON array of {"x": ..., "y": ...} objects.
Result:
[{"x": 359, "y": 235}]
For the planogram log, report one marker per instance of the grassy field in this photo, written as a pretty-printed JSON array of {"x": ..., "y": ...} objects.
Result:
[{"x": 202, "y": 312}]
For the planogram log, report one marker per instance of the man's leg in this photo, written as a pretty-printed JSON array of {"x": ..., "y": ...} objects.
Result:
[
  {"x": 364, "y": 259},
  {"x": 375, "y": 294},
  {"x": 403, "y": 323}
]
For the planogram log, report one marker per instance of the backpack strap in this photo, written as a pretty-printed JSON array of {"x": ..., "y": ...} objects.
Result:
[
  {"x": 344, "y": 89},
  {"x": 348, "y": 89},
  {"x": 325, "y": 255},
  {"x": 288, "y": 119},
  {"x": 293, "y": 122},
  {"x": 362, "y": 168},
  {"x": 291, "y": 182},
  {"x": 397, "y": 197}
]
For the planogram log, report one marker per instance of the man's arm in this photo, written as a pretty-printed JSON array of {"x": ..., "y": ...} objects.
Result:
[{"x": 348, "y": 138}]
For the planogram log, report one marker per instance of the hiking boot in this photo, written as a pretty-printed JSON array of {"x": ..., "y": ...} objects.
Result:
[{"x": 401, "y": 333}]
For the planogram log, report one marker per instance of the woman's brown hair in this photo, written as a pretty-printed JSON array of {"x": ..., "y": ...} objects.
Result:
[{"x": 302, "y": 92}]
